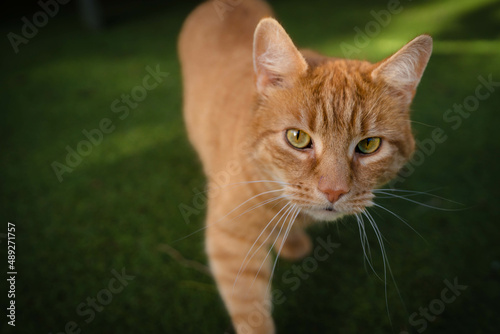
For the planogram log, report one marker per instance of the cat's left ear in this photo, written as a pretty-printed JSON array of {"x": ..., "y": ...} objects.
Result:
[
  {"x": 277, "y": 62},
  {"x": 404, "y": 69}
]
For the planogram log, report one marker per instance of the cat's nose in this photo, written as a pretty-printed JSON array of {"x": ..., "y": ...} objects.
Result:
[
  {"x": 333, "y": 195},
  {"x": 333, "y": 190}
]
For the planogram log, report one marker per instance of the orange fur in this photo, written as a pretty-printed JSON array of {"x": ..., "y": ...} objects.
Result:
[{"x": 245, "y": 85}]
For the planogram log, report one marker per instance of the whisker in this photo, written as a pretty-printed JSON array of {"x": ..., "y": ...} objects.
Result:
[
  {"x": 415, "y": 193},
  {"x": 379, "y": 237},
  {"x": 399, "y": 217},
  {"x": 287, "y": 232},
  {"x": 259, "y": 205},
  {"x": 287, "y": 212},
  {"x": 207, "y": 225},
  {"x": 251, "y": 198},
  {"x": 384, "y": 258},
  {"x": 243, "y": 265},
  {"x": 365, "y": 243},
  {"x": 417, "y": 202},
  {"x": 424, "y": 124},
  {"x": 304, "y": 202}
]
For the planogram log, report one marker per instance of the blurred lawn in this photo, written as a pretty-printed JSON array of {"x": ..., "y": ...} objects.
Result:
[{"x": 119, "y": 206}]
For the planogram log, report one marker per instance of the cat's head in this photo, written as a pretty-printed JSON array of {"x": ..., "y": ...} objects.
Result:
[{"x": 332, "y": 129}]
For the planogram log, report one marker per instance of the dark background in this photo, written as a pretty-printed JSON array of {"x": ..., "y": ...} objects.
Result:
[{"x": 119, "y": 207}]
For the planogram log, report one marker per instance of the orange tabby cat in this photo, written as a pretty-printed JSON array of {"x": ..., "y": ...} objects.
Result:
[{"x": 298, "y": 137}]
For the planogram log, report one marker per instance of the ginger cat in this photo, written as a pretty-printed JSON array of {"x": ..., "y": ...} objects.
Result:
[{"x": 298, "y": 137}]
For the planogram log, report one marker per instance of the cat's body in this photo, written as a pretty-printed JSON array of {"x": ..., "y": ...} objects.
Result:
[{"x": 249, "y": 97}]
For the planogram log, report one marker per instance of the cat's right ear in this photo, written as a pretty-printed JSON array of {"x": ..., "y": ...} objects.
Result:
[{"x": 277, "y": 62}]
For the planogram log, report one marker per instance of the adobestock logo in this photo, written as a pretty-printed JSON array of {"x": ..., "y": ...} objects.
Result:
[
  {"x": 420, "y": 320},
  {"x": 293, "y": 279},
  {"x": 454, "y": 117},
  {"x": 29, "y": 30},
  {"x": 97, "y": 302},
  {"x": 216, "y": 184},
  {"x": 381, "y": 19},
  {"x": 95, "y": 137}
]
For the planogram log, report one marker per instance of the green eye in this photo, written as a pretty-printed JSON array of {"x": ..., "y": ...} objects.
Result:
[
  {"x": 368, "y": 145},
  {"x": 298, "y": 138}
]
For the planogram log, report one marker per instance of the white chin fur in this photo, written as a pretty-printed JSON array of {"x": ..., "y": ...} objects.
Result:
[{"x": 323, "y": 215}]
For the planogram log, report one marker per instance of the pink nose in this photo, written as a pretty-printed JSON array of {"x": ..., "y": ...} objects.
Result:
[
  {"x": 332, "y": 188},
  {"x": 333, "y": 195}
]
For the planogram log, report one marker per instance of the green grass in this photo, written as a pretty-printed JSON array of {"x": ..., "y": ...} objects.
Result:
[{"x": 120, "y": 204}]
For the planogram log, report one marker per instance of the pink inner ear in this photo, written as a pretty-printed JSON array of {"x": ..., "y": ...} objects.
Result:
[
  {"x": 274, "y": 79},
  {"x": 276, "y": 59},
  {"x": 268, "y": 78},
  {"x": 405, "y": 68},
  {"x": 261, "y": 82}
]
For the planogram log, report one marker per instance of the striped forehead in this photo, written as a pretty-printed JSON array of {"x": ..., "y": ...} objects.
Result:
[{"x": 336, "y": 104}]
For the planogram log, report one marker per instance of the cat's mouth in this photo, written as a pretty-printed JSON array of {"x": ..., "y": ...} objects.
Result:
[{"x": 326, "y": 213}]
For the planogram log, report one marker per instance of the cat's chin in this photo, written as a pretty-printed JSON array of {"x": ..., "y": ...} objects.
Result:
[{"x": 324, "y": 214}]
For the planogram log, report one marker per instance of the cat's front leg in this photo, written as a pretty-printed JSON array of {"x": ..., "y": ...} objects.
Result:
[
  {"x": 296, "y": 246},
  {"x": 242, "y": 275}
]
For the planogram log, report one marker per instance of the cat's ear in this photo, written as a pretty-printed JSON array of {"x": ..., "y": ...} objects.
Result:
[
  {"x": 404, "y": 69},
  {"x": 277, "y": 62}
]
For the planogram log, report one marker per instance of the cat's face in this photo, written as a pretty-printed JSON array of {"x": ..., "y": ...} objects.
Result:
[
  {"x": 331, "y": 132},
  {"x": 336, "y": 107}
]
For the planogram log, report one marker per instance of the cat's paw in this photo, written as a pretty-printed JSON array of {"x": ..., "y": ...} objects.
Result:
[{"x": 297, "y": 245}]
